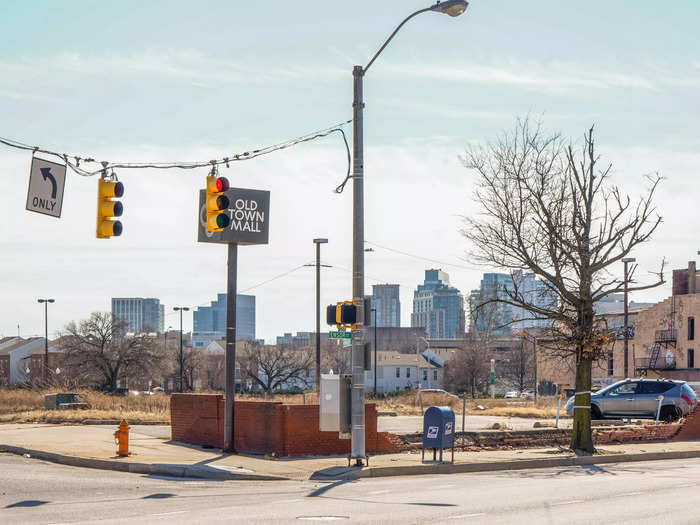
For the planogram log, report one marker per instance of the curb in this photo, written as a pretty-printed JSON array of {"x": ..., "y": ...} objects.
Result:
[
  {"x": 449, "y": 468},
  {"x": 160, "y": 469}
]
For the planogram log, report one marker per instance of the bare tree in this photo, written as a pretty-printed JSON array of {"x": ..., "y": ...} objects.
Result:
[
  {"x": 98, "y": 351},
  {"x": 468, "y": 370},
  {"x": 550, "y": 210},
  {"x": 518, "y": 367},
  {"x": 272, "y": 367},
  {"x": 335, "y": 357}
]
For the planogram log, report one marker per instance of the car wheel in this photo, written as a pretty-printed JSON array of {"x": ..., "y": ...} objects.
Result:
[
  {"x": 669, "y": 414},
  {"x": 595, "y": 412}
]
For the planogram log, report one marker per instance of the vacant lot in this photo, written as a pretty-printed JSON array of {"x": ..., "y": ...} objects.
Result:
[
  {"x": 28, "y": 406},
  {"x": 18, "y": 405}
]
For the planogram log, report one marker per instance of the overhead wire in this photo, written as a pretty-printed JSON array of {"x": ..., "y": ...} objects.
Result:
[
  {"x": 414, "y": 256},
  {"x": 73, "y": 161}
]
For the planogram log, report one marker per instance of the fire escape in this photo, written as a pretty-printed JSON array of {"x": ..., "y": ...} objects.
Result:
[{"x": 659, "y": 356}]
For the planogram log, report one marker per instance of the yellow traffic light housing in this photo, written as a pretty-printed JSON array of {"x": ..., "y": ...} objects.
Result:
[
  {"x": 342, "y": 314},
  {"x": 217, "y": 203},
  {"x": 108, "y": 208}
]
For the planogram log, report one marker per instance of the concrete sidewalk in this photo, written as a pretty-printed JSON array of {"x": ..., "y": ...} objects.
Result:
[{"x": 152, "y": 453}]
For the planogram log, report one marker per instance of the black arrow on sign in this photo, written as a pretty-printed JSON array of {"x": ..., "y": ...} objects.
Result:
[{"x": 46, "y": 173}]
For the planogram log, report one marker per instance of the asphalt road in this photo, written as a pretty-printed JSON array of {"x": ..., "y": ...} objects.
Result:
[{"x": 658, "y": 492}]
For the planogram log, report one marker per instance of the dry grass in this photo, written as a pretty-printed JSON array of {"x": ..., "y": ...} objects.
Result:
[
  {"x": 407, "y": 404},
  {"x": 28, "y": 406}
]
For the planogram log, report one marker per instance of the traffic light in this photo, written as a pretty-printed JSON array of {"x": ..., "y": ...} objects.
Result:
[
  {"x": 342, "y": 314},
  {"x": 217, "y": 202},
  {"x": 108, "y": 208}
]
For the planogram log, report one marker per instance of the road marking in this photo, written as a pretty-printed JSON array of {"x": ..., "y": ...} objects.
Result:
[
  {"x": 467, "y": 516},
  {"x": 443, "y": 487},
  {"x": 567, "y": 502},
  {"x": 375, "y": 492},
  {"x": 169, "y": 513},
  {"x": 631, "y": 494}
]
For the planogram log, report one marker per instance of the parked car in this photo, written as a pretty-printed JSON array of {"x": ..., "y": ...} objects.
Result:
[
  {"x": 512, "y": 394},
  {"x": 527, "y": 395},
  {"x": 639, "y": 398}
]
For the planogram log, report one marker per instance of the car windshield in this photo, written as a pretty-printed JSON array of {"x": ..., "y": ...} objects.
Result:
[{"x": 608, "y": 388}]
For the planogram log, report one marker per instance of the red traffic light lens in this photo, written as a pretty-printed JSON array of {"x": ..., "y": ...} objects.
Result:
[
  {"x": 222, "y": 184},
  {"x": 118, "y": 190}
]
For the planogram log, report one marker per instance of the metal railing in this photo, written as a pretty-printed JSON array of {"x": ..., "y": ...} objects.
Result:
[
  {"x": 660, "y": 363},
  {"x": 665, "y": 336}
]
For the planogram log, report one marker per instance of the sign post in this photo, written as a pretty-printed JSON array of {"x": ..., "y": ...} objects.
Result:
[
  {"x": 250, "y": 213},
  {"x": 492, "y": 378}
]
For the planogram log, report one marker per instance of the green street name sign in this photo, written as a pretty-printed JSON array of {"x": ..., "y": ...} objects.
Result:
[
  {"x": 340, "y": 335},
  {"x": 493, "y": 378}
]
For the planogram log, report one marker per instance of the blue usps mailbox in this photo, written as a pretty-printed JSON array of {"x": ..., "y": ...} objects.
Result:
[{"x": 438, "y": 431}]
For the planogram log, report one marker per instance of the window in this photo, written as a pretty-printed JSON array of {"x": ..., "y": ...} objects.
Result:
[
  {"x": 611, "y": 364},
  {"x": 625, "y": 389},
  {"x": 425, "y": 375},
  {"x": 691, "y": 358},
  {"x": 434, "y": 375},
  {"x": 398, "y": 372},
  {"x": 654, "y": 387},
  {"x": 408, "y": 372},
  {"x": 691, "y": 328}
]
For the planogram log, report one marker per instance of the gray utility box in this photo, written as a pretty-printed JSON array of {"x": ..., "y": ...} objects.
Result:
[
  {"x": 438, "y": 431},
  {"x": 335, "y": 403},
  {"x": 63, "y": 401}
]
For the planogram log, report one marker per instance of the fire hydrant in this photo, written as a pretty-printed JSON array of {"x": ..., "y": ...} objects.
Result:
[{"x": 121, "y": 438}]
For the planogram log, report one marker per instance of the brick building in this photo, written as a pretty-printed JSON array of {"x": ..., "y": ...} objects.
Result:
[{"x": 662, "y": 340}]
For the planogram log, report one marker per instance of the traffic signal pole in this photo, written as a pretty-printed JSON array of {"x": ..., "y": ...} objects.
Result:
[
  {"x": 230, "y": 354},
  {"x": 357, "y": 407}
]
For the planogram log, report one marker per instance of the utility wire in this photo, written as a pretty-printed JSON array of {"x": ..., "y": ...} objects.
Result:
[
  {"x": 463, "y": 267},
  {"x": 254, "y": 286},
  {"x": 73, "y": 161}
]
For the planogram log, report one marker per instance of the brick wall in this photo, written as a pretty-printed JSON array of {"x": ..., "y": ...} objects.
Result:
[
  {"x": 632, "y": 434},
  {"x": 690, "y": 430},
  {"x": 265, "y": 427}
]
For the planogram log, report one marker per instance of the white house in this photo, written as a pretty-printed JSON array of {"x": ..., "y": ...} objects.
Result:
[{"x": 397, "y": 371}]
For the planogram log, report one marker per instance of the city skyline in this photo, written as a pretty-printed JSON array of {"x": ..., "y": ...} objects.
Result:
[{"x": 643, "y": 100}]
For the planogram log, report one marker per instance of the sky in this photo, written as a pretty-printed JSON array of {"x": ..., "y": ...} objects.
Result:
[{"x": 184, "y": 81}]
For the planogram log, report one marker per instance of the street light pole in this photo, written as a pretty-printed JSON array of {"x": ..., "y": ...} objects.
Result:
[
  {"x": 181, "y": 309},
  {"x": 357, "y": 446},
  {"x": 318, "y": 243},
  {"x": 46, "y": 333},
  {"x": 626, "y": 261}
]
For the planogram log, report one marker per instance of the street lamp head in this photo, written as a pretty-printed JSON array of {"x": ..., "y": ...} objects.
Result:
[
  {"x": 320, "y": 241},
  {"x": 451, "y": 7},
  {"x": 186, "y": 309},
  {"x": 51, "y": 300},
  {"x": 629, "y": 260}
]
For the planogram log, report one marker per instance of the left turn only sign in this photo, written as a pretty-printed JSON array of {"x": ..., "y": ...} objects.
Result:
[{"x": 46, "y": 183}]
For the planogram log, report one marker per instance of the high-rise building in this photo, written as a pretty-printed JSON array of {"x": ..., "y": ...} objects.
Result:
[
  {"x": 210, "y": 321},
  {"x": 438, "y": 307},
  {"x": 140, "y": 315},
  {"x": 385, "y": 299},
  {"x": 487, "y": 314}
]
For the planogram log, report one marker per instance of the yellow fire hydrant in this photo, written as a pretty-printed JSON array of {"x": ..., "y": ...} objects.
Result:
[{"x": 121, "y": 438}]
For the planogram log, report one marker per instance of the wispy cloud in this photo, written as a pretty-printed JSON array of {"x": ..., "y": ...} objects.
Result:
[
  {"x": 553, "y": 75},
  {"x": 188, "y": 65}
]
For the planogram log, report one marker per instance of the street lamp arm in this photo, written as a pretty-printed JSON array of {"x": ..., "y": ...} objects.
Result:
[
  {"x": 449, "y": 7},
  {"x": 392, "y": 35}
]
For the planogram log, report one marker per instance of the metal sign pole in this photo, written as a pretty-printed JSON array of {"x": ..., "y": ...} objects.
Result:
[{"x": 230, "y": 355}]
